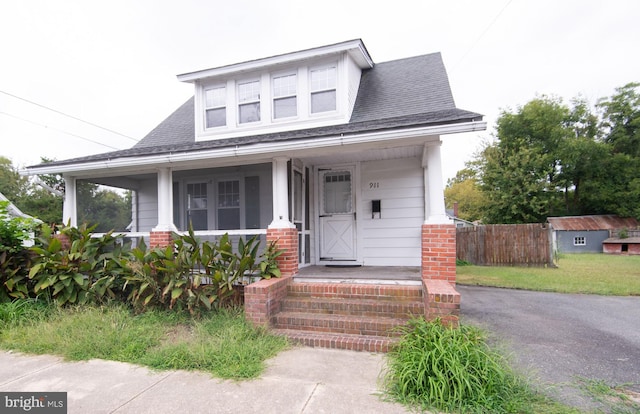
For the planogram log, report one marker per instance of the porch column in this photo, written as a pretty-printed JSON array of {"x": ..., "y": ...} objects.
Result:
[
  {"x": 281, "y": 230},
  {"x": 434, "y": 210},
  {"x": 161, "y": 234},
  {"x": 70, "y": 206},
  {"x": 438, "y": 231}
]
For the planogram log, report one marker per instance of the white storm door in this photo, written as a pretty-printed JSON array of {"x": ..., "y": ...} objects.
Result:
[{"x": 337, "y": 215}]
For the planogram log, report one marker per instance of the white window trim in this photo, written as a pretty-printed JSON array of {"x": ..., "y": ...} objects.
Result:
[
  {"x": 259, "y": 101},
  {"x": 579, "y": 241},
  {"x": 203, "y": 100},
  {"x": 311, "y": 91},
  {"x": 273, "y": 96}
]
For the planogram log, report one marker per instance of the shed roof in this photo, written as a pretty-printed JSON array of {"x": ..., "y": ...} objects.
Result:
[{"x": 597, "y": 222}]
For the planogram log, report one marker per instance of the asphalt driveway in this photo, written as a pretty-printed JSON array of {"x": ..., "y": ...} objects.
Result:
[{"x": 561, "y": 337}]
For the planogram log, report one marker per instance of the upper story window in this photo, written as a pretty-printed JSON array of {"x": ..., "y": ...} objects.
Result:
[
  {"x": 285, "y": 100},
  {"x": 323, "y": 89},
  {"x": 215, "y": 107},
  {"x": 249, "y": 102}
]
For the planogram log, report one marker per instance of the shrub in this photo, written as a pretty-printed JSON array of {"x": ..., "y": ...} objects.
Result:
[
  {"x": 87, "y": 270},
  {"x": 449, "y": 369},
  {"x": 14, "y": 256},
  {"x": 194, "y": 275}
]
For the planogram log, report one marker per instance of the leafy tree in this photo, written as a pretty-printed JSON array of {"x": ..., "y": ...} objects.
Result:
[
  {"x": 465, "y": 190},
  {"x": 12, "y": 185}
]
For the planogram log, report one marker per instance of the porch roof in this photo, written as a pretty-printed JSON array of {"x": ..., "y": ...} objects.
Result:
[{"x": 396, "y": 95}]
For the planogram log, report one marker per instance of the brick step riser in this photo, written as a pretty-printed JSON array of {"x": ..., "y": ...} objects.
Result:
[
  {"x": 346, "y": 344},
  {"x": 380, "y": 293},
  {"x": 356, "y": 308},
  {"x": 370, "y": 327}
]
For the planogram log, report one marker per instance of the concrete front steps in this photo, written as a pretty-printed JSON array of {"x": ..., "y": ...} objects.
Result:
[{"x": 359, "y": 317}]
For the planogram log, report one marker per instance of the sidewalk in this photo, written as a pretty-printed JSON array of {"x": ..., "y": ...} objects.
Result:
[{"x": 300, "y": 380}]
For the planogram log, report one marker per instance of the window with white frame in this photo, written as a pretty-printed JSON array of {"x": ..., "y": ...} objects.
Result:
[
  {"x": 579, "y": 241},
  {"x": 248, "y": 102},
  {"x": 323, "y": 89},
  {"x": 285, "y": 100},
  {"x": 228, "y": 204},
  {"x": 215, "y": 107}
]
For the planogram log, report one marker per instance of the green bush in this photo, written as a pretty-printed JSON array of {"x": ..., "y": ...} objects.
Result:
[
  {"x": 72, "y": 267},
  {"x": 447, "y": 369},
  {"x": 193, "y": 275},
  {"x": 14, "y": 256}
]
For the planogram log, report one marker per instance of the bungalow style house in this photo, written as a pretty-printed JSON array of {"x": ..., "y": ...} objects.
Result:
[{"x": 333, "y": 156}]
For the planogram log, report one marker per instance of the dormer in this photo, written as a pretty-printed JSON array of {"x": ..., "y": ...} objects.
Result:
[{"x": 306, "y": 89}]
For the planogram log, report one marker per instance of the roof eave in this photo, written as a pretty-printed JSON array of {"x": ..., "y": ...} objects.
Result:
[
  {"x": 262, "y": 149},
  {"x": 355, "y": 48}
]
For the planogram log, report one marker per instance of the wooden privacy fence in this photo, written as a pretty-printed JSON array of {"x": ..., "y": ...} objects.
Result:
[{"x": 505, "y": 245}]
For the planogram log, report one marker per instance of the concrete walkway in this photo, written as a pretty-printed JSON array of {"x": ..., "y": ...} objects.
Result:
[{"x": 300, "y": 380}]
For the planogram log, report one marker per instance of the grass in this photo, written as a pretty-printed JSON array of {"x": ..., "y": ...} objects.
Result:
[
  {"x": 222, "y": 343},
  {"x": 615, "y": 400},
  {"x": 438, "y": 368},
  {"x": 598, "y": 274}
]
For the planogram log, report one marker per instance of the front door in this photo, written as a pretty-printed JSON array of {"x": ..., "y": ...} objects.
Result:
[{"x": 337, "y": 214}]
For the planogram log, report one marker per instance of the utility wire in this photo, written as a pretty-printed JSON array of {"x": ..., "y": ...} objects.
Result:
[
  {"x": 484, "y": 32},
  {"x": 58, "y": 130},
  {"x": 69, "y": 116}
]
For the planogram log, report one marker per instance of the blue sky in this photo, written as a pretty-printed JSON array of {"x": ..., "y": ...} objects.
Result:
[{"x": 115, "y": 63}]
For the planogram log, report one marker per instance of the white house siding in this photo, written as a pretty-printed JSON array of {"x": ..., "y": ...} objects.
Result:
[
  {"x": 394, "y": 239},
  {"x": 147, "y": 205},
  {"x": 354, "y": 75}
]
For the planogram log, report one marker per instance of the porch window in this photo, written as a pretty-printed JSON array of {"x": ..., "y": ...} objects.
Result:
[
  {"x": 285, "y": 101},
  {"x": 579, "y": 241},
  {"x": 249, "y": 102},
  {"x": 323, "y": 89},
  {"x": 337, "y": 192},
  {"x": 215, "y": 109},
  {"x": 228, "y": 204},
  {"x": 197, "y": 206}
]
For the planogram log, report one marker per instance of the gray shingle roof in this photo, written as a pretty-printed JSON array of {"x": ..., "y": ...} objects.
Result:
[{"x": 403, "y": 93}]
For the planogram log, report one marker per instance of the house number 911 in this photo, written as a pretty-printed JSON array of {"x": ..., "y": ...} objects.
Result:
[{"x": 374, "y": 185}]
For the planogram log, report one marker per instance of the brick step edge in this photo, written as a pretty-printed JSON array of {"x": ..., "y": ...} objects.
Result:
[
  {"x": 348, "y": 324},
  {"x": 362, "y": 307},
  {"x": 355, "y": 291},
  {"x": 328, "y": 340}
]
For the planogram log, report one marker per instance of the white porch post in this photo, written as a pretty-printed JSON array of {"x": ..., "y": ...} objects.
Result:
[
  {"x": 165, "y": 201},
  {"x": 70, "y": 206},
  {"x": 434, "y": 209},
  {"x": 280, "y": 195}
]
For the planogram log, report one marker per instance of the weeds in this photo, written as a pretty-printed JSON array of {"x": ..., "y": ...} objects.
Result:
[{"x": 222, "y": 343}]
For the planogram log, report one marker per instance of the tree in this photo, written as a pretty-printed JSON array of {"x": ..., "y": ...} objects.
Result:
[
  {"x": 465, "y": 190},
  {"x": 12, "y": 185}
]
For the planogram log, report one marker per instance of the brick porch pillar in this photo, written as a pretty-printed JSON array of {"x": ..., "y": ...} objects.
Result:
[
  {"x": 160, "y": 239},
  {"x": 287, "y": 240},
  {"x": 439, "y": 252}
]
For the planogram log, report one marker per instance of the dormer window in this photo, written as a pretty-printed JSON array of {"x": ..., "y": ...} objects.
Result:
[
  {"x": 215, "y": 107},
  {"x": 285, "y": 100},
  {"x": 323, "y": 89},
  {"x": 248, "y": 102}
]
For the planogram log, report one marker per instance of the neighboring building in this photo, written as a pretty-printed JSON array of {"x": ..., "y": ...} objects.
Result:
[
  {"x": 622, "y": 242},
  {"x": 335, "y": 157},
  {"x": 14, "y": 211},
  {"x": 586, "y": 234}
]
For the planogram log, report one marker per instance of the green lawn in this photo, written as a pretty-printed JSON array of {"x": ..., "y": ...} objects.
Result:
[{"x": 599, "y": 274}]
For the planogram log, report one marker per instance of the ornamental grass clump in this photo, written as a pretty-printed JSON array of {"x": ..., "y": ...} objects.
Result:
[{"x": 447, "y": 369}]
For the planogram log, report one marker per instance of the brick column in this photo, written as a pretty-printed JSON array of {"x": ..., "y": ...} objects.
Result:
[
  {"x": 439, "y": 252},
  {"x": 286, "y": 239},
  {"x": 439, "y": 273},
  {"x": 160, "y": 238}
]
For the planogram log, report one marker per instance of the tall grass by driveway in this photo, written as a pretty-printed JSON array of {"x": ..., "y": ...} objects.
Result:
[{"x": 599, "y": 274}]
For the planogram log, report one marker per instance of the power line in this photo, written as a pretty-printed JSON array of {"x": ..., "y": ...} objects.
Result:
[
  {"x": 58, "y": 130},
  {"x": 484, "y": 32},
  {"x": 69, "y": 116}
]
